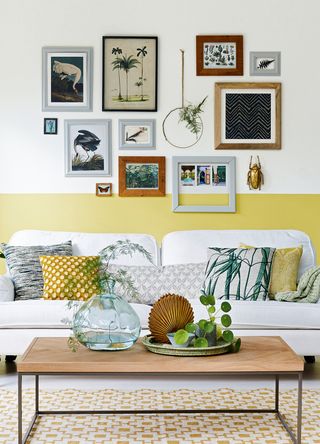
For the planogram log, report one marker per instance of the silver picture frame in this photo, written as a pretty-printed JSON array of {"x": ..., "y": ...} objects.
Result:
[
  {"x": 230, "y": 167},
  {"x": 84, "y": 139},
  {"x": 135, "y": 140},
  {"x": 270, "y": 62},
  {"x": 72, "y": 66}
]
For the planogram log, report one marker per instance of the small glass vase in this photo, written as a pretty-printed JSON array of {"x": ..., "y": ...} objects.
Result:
[{"x": 106, "y": 322}]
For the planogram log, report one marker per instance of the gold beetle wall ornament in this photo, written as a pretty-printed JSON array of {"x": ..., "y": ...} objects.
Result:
[{"x": 255, "y": 176}]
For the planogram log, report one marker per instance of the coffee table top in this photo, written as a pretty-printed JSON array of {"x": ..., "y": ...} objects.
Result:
[{"x": 258, "y": 354}]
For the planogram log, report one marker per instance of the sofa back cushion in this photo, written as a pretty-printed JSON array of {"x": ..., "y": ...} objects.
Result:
[
  {"x": 191, "y": 246},
  {"x": 24, "y": 266},
  {"x": 89, "y": 244}
]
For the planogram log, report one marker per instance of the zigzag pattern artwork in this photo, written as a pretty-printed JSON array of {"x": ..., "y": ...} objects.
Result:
[{"x": 248, "y": 116}]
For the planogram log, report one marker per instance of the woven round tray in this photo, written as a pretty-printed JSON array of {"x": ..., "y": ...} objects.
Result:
[{"x": 168, "y": 349}]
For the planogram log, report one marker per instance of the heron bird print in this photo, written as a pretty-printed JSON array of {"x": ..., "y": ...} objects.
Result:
[{"x": 85, "y": 158}]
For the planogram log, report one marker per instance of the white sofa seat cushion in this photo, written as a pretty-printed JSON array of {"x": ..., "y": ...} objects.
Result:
[
  {"x": 40, "y": 313},
  {"x": 6, "y": 289},
  {"x": 269, "y": 315}
]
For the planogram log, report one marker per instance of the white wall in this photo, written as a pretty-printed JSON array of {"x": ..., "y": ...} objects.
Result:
[{"x": 31, "y": 162}]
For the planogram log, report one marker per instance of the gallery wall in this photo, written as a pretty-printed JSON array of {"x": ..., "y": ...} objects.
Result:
[{"x": 32, "y": 176}]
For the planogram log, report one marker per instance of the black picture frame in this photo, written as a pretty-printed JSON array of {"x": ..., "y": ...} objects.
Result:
[
  {"x": 54, "y": 130},
  {"x": 137, "y": 105}
]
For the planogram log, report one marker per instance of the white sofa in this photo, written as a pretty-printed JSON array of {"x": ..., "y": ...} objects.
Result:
[{"x": 298, "y": 324}]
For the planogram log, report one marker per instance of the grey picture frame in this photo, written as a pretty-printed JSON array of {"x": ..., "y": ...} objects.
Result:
[
  {"x": 69, "y": 147},
  {"x": 229, "y": 161},
  {"x": 254, "y": 55},
  {"x": 47, "y": 53},
  {"x": 123, "y": 145}
]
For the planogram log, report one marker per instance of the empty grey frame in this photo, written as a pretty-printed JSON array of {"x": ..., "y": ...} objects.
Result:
[
  {"x": 88, "y": 147},
  {"x": 265, "y": 63},
  {"x": 230, "y": 169},
  {"x": 137, "y": 134},
  {"x": 67, "y": 78}
]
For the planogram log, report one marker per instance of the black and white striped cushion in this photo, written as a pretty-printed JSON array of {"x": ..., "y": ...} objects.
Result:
[{"x": 25, "y": 268}]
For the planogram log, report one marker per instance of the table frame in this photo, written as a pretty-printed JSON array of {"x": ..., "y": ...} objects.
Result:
[{"x": 295, "y": 438}]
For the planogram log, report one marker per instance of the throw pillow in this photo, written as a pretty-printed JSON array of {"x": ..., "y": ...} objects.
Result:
[
  {"x": 69, "y": 277},
  {"x": 25, "y": 269},
  {"x": 151, "y": 282},
  {"x": 285, "y": 267},
  {"x": 238, "y": 273}
]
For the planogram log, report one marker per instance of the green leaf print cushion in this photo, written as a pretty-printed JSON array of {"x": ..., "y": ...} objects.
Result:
[{"x": 238, "y": 273}]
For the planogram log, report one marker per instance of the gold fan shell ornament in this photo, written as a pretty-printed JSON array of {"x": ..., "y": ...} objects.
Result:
[{"x": 170, "y": 313}]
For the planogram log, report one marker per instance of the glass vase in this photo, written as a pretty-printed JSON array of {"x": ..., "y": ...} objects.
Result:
[{"x": 106, "y": 322}]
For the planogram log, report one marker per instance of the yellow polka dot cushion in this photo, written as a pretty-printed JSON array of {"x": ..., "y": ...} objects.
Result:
[
  {"x": 70, "y": 277},
  {"x": 284, "y": 271}
]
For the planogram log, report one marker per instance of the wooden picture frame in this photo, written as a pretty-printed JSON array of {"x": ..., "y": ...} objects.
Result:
[
  {"x": 67, "y": 78},
  {"x": 104, "y": 189},
  {"x": 130, "y": 73},
  {"x": 219, "y": 55},
  {"x": 219, "y": 186},
  {"x": 132, "y": 176},
  {"x": 234, "y": 128}
]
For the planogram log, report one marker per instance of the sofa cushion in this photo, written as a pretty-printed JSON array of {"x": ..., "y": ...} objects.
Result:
[
  {"x": 238, "y": 273},
  {"x": 153, "y": 282},
  {"x": 284, "y": 272},
  {"x": 191, "y": 246},
  {"x": 70, "y": 277},
  {"x": 268, "y": 315},
  {"x": 25, "y": 269},
  {"x": 90, "y": 244},
  {"x": 41, "y": 313}
]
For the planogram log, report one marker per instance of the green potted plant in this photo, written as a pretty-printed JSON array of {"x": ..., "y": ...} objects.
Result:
[{"x": 207, "y": 331}]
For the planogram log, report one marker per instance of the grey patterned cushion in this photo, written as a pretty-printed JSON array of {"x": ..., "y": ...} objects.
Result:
[
  {"x": 25, "y": 269},
  {"x": 238, "y": 273},
  {"x": 152, "y": 282}
]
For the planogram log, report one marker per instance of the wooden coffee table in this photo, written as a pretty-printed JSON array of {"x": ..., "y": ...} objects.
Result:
[{"x": 259, "y": 355}]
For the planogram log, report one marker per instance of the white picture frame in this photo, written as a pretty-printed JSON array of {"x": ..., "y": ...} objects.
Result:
[
  {"x": 137, "y": 134},
  {"x": 265, "y": 63},
  {"x": 88, "y": 149},
  {"x": 227, "y": 165},
  {"x": 67, "y": 78}
]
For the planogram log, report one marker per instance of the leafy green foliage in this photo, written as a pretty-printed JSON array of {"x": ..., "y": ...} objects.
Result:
[
  {"x": 190, "y": 114},
  {"x": 226, "y": 320},
  {"x": 191, "y": 327},
  {"x": 225, "y": 306},
  {"x": 181, "y": 336},
  {"x": 228, "y": 335},
  {"x": 205, "y": 330},
  {"x": 201, "y": 342},
  {"x": 2, "y": 255}
]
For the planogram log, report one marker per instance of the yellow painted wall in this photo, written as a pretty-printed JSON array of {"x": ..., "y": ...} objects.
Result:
[{"x": 153, "y": 215}]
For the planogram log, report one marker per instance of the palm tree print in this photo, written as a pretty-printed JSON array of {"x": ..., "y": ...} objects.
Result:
[
  {"x": 141, "y": 52},
  {"x": 126, "y": 64},
  {"x": 117, "y": 51}
]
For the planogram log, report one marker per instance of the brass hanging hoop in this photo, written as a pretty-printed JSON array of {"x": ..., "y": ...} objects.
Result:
[{"x": 178, "y": 109}]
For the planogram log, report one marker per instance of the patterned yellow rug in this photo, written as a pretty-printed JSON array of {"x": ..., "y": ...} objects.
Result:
[{"x": 161, "y": 429}]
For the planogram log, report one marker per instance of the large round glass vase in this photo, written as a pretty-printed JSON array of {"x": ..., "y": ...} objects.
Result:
[{"x": 106, "y": 322}]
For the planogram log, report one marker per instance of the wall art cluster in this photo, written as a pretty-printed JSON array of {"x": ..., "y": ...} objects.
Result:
[{"x": 247, "y": 115}]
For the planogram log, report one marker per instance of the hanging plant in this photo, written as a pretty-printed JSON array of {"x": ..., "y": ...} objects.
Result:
[{"x": 189, "y": 114}]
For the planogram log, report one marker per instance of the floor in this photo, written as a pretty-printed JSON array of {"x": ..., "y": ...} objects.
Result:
[{"x": 8, "y": 380}]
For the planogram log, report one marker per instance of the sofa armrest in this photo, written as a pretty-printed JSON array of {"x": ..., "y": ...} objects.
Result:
[{"x": 6, "y": 289}]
